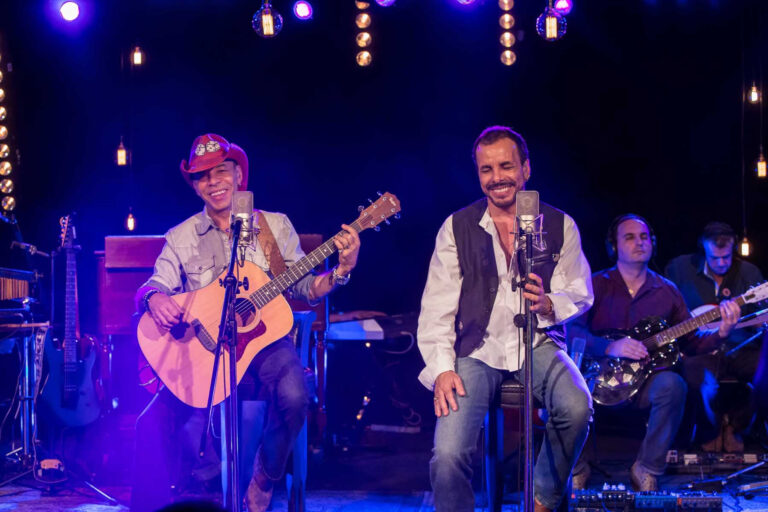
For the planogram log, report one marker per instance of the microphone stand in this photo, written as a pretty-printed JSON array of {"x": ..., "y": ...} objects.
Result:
[
  {"x": 526, "y": 320},
  {"x": 228, "y": 336}
]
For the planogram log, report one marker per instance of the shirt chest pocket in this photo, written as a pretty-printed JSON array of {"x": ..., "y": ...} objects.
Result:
[{"x": 199, "y": 272}]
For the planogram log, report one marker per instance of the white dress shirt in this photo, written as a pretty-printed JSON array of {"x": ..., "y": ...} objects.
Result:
[{"x": 571, "y": 295}]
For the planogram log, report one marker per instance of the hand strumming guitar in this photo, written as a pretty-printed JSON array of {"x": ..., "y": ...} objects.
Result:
[
  {"x": 164, "y": 310},
  {"x": 627, "y": 347}
]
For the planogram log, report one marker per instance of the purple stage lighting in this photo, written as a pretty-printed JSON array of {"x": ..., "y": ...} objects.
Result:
[
  {"x": 69, "y": 11},
  {"x": 385, "y": 3},
  {"x": 302, "y": 10},
  {"x": 564, "y": 6}
]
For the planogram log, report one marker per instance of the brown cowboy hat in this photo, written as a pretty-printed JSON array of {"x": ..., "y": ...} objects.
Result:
[{"x": 210, "y": 150}]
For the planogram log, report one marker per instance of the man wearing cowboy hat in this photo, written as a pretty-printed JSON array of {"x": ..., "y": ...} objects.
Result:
[{"x": 195, "y": 253}]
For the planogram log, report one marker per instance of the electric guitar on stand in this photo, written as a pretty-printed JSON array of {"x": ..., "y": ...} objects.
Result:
[
  {"x": 183, "y": 357},
  {"x": 618, "y": 379},
  {"x": 71, "y": 390}
]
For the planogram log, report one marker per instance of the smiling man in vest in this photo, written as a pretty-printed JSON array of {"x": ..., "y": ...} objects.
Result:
[{"x": 467, "y": 336}]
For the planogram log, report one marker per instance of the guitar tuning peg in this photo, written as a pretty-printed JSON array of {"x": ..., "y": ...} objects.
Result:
[
  {"x": 397, "y": 216},
  {"x": 377, "y": 228},
  {"x": 369, "y": 200},
  {"x": 360, "y": 208},
  {"x": 378, "y": 193},
  {"x": 387, "y": 221}
]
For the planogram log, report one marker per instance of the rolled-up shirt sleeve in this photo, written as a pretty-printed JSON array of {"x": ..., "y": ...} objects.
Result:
[
  {"x": 439, "y": 305},
  {"x": 571, "y": 284},
  {"x": 166, "y": 275}
]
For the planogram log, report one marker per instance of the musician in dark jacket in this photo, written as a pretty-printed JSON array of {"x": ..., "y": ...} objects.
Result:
[
  {"x": 707, "y": 277},
  {"x": 625, "y": 295}
]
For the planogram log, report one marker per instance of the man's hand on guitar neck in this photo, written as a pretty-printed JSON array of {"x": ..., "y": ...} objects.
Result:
[
  {"x": 730, "y": 312},
  {"x": 627, "y": 347},
  {"x": 164, "y": 310}
]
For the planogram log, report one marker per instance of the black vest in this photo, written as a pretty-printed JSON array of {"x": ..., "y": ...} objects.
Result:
[{"x": 480, "y": 278}]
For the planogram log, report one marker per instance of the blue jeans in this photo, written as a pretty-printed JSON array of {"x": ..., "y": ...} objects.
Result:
[
  {"x": 557, "y": 384},
  {"x": 164, "y": 429},
  {"x": 664, "y": 394}
]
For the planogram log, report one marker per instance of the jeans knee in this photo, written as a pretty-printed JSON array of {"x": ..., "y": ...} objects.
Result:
[
  {"x": 670, "y": 388},
  {"x": 575, "y": 411},
  {"x": 293, "y": 402}
]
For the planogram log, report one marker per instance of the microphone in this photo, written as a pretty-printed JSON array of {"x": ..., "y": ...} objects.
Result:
[
  {"x": 242, "y": 209},
  {"x": 31, "y": 249},
  {"x": 527, "y": 210}
]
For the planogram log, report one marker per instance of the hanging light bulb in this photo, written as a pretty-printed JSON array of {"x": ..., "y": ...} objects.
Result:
[
  {"x": 760, "y": 167},
  {"x": 5, "y": 168},
  {"x": 6, "y": 186},
  {"x": 8, "y": 203},
  {"x": 564, "y": 6},
  {"x": 507, "y": 39},
  {"x": 122, "y": 154},
  {"x": 506, "y": 5},
  {"x": 3, "y": 132},
  {"x": 754, "y": 94},
  {"x": 3, "y": 113},
  {"x": 745, "y": 248},
  {"x": 363, "y": 39},
  {"x": 508, "y": 57},
  {"x": 550, "y": 25},
  {"x": 267, "y": 22},
  {"x": 130, "y": 221},
  {"x": 363, "y": 20},
  {"x": 506, "y": 21},
  {"x": 363, "y": 58},
  {"x": 137, "y": 57}
]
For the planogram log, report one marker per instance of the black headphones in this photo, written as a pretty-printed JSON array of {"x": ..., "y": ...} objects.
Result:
[{"x": 610, "y": 236}]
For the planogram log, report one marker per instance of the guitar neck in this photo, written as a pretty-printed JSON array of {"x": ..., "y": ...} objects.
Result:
[
  {"x": 70, "y": 308},
  {"x": 285, "y": 280},
  {"x": 668, "y": 335}
]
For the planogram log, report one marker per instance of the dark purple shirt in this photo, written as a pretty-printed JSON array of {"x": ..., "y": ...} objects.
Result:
[{"x": 615, "y": 308}]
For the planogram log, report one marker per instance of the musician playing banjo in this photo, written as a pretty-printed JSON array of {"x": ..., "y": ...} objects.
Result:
[
  {"x": 195, "y": 253},
  {"x": 625, "y": 295}
]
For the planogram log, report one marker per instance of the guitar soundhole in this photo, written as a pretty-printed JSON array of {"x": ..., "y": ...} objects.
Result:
[{"x": 246, "y": 311}]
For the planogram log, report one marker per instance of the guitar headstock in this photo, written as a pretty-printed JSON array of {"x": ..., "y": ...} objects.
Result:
[
  {"x": 67, "y": 236},
  {"x": 757, "y": 293},
  {"x": 386, "y": 206}
]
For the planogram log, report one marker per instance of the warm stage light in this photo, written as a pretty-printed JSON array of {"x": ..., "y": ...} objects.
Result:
[
  {"x": 1, "y": 76},
  {"x": 6, "y": 186},
  {"x": 754, "y": 94},
  {"x": 745, "y": 248},
  {"x": 5, "y": 168},
  {"x": 130, "y": 222},
  {"x": 508, "y": 57},
  {"x": 3, "y": 113},
  {"x": 362, "y": 5},
  {"x": 363, "y": 20},
  {"x": 563, "y": 6},
  {"x": 363, "y": 39},
  {"x": 507, "y": 40},
  {"x": 550, "y": 25},
  {"x": 267, "y": 22},
  {"x": 2, "y": 94},
  {"x": 69, "y": 11},
  {"x": 3, "y": 132},
  {"x": 507, "y": 21},
  {"x": 8, "y": 203},
  {"x": 302, "y": 10},
  {"x": 137, "y": 56},
  {"x": 122, "y": 155},
  {"x": 760, "y": 167},
  {"x": 4, "y": 151},
  {"x": 506, "y": 5},
  {"x": 363, "y": 58}
]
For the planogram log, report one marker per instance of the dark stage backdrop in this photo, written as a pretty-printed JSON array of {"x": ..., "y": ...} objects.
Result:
[{"x": 636, "y": 109}]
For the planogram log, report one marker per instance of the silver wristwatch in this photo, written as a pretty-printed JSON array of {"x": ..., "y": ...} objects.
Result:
[{"x": 340, "y": 280}]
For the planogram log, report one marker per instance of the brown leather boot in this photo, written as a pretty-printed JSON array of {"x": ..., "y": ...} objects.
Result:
[
  {"x": 259, "y": 493},
  {"x": 538, "y": 507}
]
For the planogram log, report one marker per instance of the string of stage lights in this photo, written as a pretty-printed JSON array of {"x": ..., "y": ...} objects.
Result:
[{"x": 267, "y": 22}]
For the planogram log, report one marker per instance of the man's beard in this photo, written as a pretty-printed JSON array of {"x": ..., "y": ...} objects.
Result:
[{"x": 506, "y": 203}]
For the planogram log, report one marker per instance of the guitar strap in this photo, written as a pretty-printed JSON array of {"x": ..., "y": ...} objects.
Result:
[{"x": 269, "y": 245}]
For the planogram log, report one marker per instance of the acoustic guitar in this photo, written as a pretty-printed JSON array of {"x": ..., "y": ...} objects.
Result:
[
  {"x": 618, "y": 379},
  {"x": 73, "y": 387},
  {"x": 183, "y": 357}
]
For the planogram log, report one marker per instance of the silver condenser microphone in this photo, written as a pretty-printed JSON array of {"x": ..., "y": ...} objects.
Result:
[{"x": 242, "y": 209}]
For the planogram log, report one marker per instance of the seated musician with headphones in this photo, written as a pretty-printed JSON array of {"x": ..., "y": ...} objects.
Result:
[
  {"x": 707, "y": 277},
  {"x": 626, "y": 295}
]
